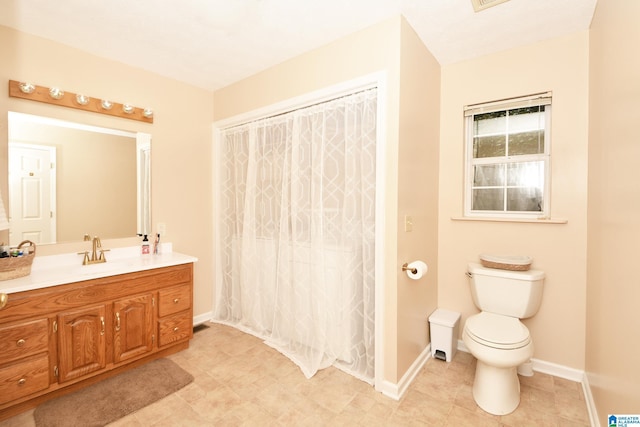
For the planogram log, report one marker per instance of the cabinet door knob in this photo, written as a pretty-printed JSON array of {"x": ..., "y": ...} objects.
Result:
[
  {"x": 175, "y": 329},
  {"x": 20, "y": 342},
  {"x": 175, "y": 300},
  {"x": 21, "y": 381}
]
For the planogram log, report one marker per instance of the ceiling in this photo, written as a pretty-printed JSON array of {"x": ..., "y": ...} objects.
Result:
[{"x": 213, "y": 43}]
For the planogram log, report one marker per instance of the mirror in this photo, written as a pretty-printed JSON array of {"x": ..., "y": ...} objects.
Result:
[{"x": 68, "y": 179}]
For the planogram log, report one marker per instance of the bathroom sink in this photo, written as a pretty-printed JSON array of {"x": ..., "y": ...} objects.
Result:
[
  {"x": 105, "y": 267},
  {"x": 61, "y": 269}
]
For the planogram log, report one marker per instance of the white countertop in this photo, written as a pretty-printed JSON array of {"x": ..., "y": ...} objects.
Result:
[{"x": 56, "y": 270}]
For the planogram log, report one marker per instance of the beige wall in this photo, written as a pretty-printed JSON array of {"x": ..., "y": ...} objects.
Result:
[
  {"x": 419, "y": 141},
  {"x": 414, "y": 90},
  {"x": 612, "y": 345},
  {"x": 181, "y": 132},
  {"x": 561, "y": 66}
]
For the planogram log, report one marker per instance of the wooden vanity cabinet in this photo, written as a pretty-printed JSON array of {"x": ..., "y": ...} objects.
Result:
[
  {"x": 62, "y": 338},
  {"x": 175, "y": 315},
  {"x": 24, "y": 359},
  {"x": 82, "y": 342},
  {"x": 133, "y": 327}
]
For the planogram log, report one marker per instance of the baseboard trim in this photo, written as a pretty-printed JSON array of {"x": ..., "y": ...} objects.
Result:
[
  {"x": 544, "y": 367},
  {"x": 556, "y": 370},
  {"x": 396, "y": 391},
  {"x": 202, "y": 318},
  {"x": 591, "y": 404}
]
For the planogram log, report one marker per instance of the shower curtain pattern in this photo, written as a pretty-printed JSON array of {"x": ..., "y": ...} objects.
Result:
[{"x": 296, "y": 233}]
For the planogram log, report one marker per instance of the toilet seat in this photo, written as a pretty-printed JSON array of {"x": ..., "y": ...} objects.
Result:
[{"x": 497, "y": 331}]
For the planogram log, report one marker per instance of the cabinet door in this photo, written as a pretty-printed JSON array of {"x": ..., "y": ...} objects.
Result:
[
  {"x": 82, "y": 342},
  {"x": 132, "y": 327}
]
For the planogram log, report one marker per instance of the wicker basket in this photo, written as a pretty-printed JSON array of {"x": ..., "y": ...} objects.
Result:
[
  {"x": 513, "y": 263},
  {"x": 14, "y": 267}
]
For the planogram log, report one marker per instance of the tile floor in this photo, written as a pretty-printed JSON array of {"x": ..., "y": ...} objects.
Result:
[{"x": 239, "y": 381}]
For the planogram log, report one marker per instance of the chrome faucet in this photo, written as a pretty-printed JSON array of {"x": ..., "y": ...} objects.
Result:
[{"x": 95, "y": 257}]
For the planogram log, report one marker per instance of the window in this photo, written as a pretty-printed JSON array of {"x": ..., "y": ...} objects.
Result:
[{"x": 507, "y": 160}]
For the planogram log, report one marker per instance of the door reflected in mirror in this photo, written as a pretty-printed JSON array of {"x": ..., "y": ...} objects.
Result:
[{"x": 68, "y": 179}]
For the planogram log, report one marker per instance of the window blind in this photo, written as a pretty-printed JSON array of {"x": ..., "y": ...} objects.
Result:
[{"x": 508, "y": 104}]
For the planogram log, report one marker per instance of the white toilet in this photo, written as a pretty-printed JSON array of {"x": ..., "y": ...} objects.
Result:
[{"x": 496, "y": 337}]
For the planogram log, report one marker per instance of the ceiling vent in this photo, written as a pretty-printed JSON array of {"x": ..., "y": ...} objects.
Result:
[{"x": 479, "y": 5}]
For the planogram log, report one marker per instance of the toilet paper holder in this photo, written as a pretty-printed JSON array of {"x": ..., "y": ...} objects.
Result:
[{"x": 405, "y": 267}]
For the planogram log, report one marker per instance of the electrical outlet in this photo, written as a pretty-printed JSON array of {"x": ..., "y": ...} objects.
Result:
[
  {"x": 162, "y": 229},
  {"x": 408, "y": 223}
]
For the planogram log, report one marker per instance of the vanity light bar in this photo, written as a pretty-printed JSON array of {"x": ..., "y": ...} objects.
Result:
[{"x": 57, "y": 96}]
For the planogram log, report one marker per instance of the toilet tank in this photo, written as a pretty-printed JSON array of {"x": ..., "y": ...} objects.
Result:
[{"x": 510, "y": 293}]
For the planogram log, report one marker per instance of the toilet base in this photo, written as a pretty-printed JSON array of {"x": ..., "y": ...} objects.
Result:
[{"x": 496, "y": 390}]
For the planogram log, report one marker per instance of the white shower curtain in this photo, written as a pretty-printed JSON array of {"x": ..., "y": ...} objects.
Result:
[
  {"x": 143, "y": 150},
  {"x": 296, "y": 233}
]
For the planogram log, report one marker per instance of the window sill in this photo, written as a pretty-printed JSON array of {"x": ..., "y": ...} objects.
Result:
[{"x": 523, "y": 220}]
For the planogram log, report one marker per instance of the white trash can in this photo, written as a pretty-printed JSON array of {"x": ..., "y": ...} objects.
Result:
[{"x": 444, "y": 334}]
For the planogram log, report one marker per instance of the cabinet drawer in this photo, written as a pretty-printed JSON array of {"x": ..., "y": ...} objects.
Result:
[
  {"x": 23, "y": 339},
  {"x": 24, "y": 378},
  {"x": 174, "y": 300},
  {"x": 174, "y": 328}
]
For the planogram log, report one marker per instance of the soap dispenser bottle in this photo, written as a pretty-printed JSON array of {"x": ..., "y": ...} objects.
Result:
[{"x": 145, "y": 245}]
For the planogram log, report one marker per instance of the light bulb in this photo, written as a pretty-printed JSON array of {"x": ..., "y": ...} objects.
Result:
[
  {"x": 27, "y": 87},
  {"x": 148, "y": 113},
  {"x": 82, "y": 99},
  {"x": 56, "y": 93},
  {"x": 127, "y": 108},
  {"x": 106, "y": 104}
]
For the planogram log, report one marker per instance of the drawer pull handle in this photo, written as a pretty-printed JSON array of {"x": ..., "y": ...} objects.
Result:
[
  {"x": 21, "y": 381},
  {"x": 175, "y": 329},
  {"x": 102, "y": 325},
  {"x": 20, "y": 342},
  {"x": 117, "y": 320},
  {"x": 176, "y": 300}
]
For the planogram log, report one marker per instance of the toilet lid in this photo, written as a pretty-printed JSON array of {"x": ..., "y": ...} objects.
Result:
[{"x": 497, "y": 331}]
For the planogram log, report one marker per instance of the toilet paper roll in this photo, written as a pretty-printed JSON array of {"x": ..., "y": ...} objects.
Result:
[{"x": 416, "y": 269}]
